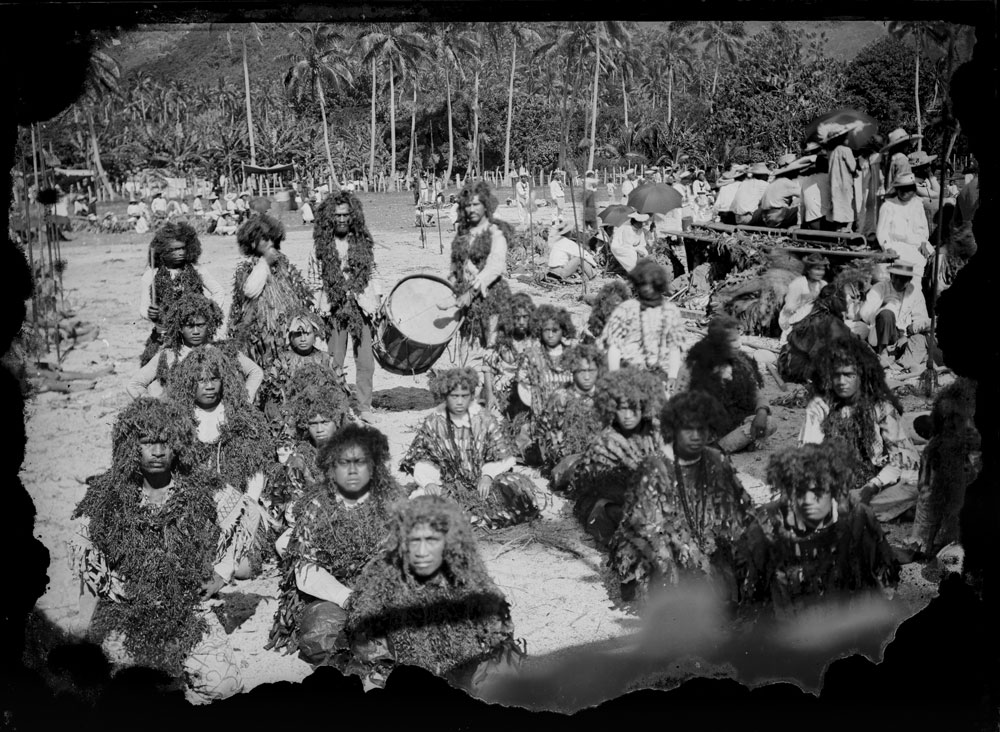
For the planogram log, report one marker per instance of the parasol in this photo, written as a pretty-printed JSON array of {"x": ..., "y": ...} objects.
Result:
[
  {"x": 654, "y": 198},
  {"x": 865, "y": 128},
  {"x": 615, "y": 215}
]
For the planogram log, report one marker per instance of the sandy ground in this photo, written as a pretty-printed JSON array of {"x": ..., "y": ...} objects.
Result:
[{"x": 560, "y": 592}]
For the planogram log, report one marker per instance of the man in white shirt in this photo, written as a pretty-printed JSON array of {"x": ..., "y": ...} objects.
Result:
[
  {"x": 749, "y": 193},
  {"x": 898, "y": 313},
  {"x": 628, "y": 185},
  {"x": 629, "y": 241},
  {"x": 556, "y": 192},
  {"x": 729, "y": 184},
  {"x": 521, "y": 197},
  {"x": 902, "y": 225},
  {"x": 564, "y": 253}
]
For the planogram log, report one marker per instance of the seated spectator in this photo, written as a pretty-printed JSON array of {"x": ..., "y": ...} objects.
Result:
[
  {"x": 779, "y": 205},
  {"x": 897, "y": 313},
  {"x": 565, "y": 254}
]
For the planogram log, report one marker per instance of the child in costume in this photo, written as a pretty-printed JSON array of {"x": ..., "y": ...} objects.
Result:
[
  {"x": 339, "y": 524},
  {"x": 462, "y": 451},
  {"x": 685, "y": 511},
  {"x": 501, "y": 361},
  {"x": 193, "y": 320}
]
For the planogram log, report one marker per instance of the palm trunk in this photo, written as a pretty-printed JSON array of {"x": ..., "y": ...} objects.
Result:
[
  {"x": 451, "y": 132},
  {"x": 593, "y": 106},
  {"x": 334, "y": 185},
  {"x": 510, "y": 112},
  {"x": 413, "y": 133},
  {"x": 392, "y": 128},
  {"x": 670, "y": 97},
  {"x": 246, "y": 87},
  {"x": 625, "y": 100},
  {"x": 96, "y": 152},
  {"x": 916, "y": 90},
  {"x": 475, "y": 120},
  {"x": 371, "y": 159}
]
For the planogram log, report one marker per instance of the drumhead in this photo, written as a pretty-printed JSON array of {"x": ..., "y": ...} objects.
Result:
[{"x": 412, "y": 307}]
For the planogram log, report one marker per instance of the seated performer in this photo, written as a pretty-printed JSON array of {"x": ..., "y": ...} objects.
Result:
[
  {"x": 808, "y": 546},
  {"x": 647, "y": 331},
  {"x": 193, "y": 321},
  {"x": 824, "y": 323},
  {"x": 429, "y": 598},
  {"x": 175, "y": 270},
  {"x": 853, "y": 402},
  {"x": 628, "y": 402},
  {"x": 300, "y": 351},
  {"x": 339, "y": 524},
  {"x": 233, "y": 442},
  {"x": 315, "y": 412},
  {"x": 717, "y": 366},
  {"x": 949, "y": 463},
  {"x": 540, "y": 371},
  {"x": 566, "y": 419},
  {"x": 266, "y": 289},
  {"x": 462, "y": 451},
  {"x": 502, "y": 359},
  {"x": 145, "y": 551},
  {"x": 897, "y": 313},
  {"x": 609, "y": 297},
  {"x": 685, "y": 510}
]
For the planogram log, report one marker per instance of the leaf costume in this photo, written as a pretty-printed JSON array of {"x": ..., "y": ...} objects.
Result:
[
  {"x": 681, "y": 520},
  {"x": 790, "y": 568},
  {"x": 169, "y": 289},
  {"x": 447, "y": 624},
  {"x": 259, "y": 326},
  {"x": 147, "y": 564},
  {"x": 335, "y": 537},
  {"x": 342, "y": 288},
  {"x": 460, "y": 453},
  {"x": 733, "y": 381},
  {"x": 564, "y": 424},
  {"x": 474, "y": 249}
]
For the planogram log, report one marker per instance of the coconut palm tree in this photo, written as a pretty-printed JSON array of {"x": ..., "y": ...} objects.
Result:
[
  {"x": 524, "y": 35},
  {"x": 320, "y": 65},
  {"x": 614, "y": 34},
  {"x": 921, "y": 31},
  {"x": 102, "y": 80},
  {"x": 402, "y": 49},
  {"x": 251, "y": 30},
  {"x": 452, "y": 45},
  {"x": 723, "y": 39},
  {"x": 563, "y": 50},
  {"x": 674, "y": 47}
]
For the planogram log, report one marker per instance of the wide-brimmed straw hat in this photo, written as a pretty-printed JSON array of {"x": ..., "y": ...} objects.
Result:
[
  {"x": 213, "y": 197},
  {"x": 897, "y": 137},
  {"x": 786, "y": 159},
  {"x": 815, "y": 260},
  {"x": 244, "y": 193},
  {"x": 796, "y": 164},
  {"x": 904, "y": 179},
  {"x": 636, "y": 216},
  {"x": 919, "y": 158},
  {"x": 811, "y": 147},
  {"x": 561, "y": 226},
  {"x": 759, "y": 169},
  {"x": 230, "y": 196},
  {"x": 901, "y": 269}
]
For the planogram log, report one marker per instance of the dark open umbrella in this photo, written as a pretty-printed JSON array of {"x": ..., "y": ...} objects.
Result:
[
  {"x": 865, "y": 128},
  {"x": 615, "y": 215},
  {"x": 654, "y": 198}
]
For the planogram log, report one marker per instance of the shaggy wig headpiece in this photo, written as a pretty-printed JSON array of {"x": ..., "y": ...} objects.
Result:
[
  {"x": 954, "y": 405},
  {"x": 318, "y": 400},
  {"x": 589, "y": 352},
  {"x": 827, "y": 467},
  {"x": 648, "y": 269},
  {"x": 176, "y": 231},
  {"x": 209, "y": 358},
  {"x": 299, "y": 316},
  {"x": 692, "y": 410},
  {"x": 444, "y": 383},
  {"x": 460, "y": 556},
  {"x": 475, "y": 188},
  {"x": 257, "y": 228},
  {"x": 374, "y": 444},
  {"x": 608, "y": 298},
  {"x": 520, "y": 301},
  {"x": 188, "y": 306},
  {"x": 150, "y": 420},
  {"x": 630, "y": 385},
  {"x": 551, "y": 312},
  {"x": 852, "y": 352}
]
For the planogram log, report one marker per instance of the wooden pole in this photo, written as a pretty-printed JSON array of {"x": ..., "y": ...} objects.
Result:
[
  {"x": 31, "y": 256},
  {"x": 576, "y": 231},
  {"x": 437, "y": 205}
]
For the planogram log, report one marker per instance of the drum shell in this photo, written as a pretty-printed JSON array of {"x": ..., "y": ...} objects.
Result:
[{"x": 401, "y": 354}]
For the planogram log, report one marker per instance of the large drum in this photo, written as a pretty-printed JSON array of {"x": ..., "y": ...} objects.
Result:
[{"x": 413, "y": 331}]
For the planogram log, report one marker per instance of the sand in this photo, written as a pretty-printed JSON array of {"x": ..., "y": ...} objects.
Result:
[{"x": 560, "y": 591}]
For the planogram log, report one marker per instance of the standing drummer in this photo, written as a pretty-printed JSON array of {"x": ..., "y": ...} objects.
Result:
[{"x": 347, "y": 295}]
